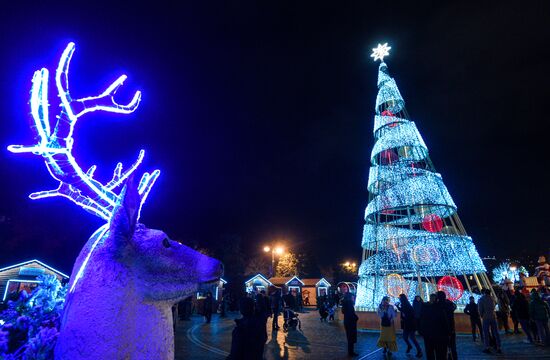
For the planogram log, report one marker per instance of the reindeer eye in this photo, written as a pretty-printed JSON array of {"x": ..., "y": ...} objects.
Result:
[{"x": 166, "y": 243}]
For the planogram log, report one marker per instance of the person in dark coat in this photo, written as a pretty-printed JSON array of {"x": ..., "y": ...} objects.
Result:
[
  {"x": 540, "y": 313},
  {"x": 248, "y": 337},
  {"x": 521, "y": 308},
  {"x": 276, "y": 303},
  {"x": 323, "y": 311},
  {"x": 449, "y": 308},
  {"x": 350, "y": 322},
  {"x": 289, "y": 300},
  {"x": 435, "y": 329},
  {"x": 475, "y": 319},
  {"x": 417, "y": 306},
  {"x": 408, "y": 324},
  {"x": 207, "y": 307}
]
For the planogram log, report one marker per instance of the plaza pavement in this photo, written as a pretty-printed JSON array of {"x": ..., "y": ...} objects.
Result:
[{"x": 197, "y": 340}]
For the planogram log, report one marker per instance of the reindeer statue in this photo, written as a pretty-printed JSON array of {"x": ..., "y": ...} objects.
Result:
[{"x": 127, "y": 277}]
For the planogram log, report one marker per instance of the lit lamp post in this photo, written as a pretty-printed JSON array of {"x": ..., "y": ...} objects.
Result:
[
  {"x": 279, "y": 250},
  {"x": 350, "y": 266}
]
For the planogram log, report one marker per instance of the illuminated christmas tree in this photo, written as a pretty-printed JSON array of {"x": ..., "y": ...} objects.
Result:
[{"x": 413, "y": 240}]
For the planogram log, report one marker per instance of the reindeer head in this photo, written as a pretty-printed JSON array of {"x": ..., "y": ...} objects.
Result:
[
  {"x": 150, "y": 254},
  {"x": 167, "y": 269}
]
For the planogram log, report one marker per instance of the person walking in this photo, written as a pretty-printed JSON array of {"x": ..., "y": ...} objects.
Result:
[
  {"x": 207, "y": 307},
  {"x": 449, "y": 308},
  {"x": 486, "y": 308},
  {"x": 248, "y": 337},
  {"x": 387, "y": 315},
  {"x": 475, "y": 320},
  {"x": 435, "y": 329},
  {"x": 540, "y": 313},
  {"x": 408, "y": 324},
  {"x": 350, "y": 322},
  {"x": 521, "y": 308},
  {"x": 276, "y": 304},
  {"x": 503, "y": 312}
]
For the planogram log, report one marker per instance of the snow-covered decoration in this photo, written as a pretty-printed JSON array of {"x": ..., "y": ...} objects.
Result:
[
  {"x": 413, "y": 237},
  {"x": 31, "y": 323},
  {"x": 127, "y": 277}
]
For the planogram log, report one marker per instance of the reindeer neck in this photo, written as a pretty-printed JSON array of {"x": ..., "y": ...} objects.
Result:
[{"x": 106, "y": 314}]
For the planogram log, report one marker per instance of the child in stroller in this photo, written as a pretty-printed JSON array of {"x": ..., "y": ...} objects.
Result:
[{"x": 291, "y": 320}]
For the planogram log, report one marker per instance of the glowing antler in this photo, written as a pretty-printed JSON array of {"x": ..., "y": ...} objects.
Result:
[{"x": 56, "y": 148}]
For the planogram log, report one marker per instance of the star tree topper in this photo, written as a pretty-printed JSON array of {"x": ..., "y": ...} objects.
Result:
[{"x": 380, "y": 51}]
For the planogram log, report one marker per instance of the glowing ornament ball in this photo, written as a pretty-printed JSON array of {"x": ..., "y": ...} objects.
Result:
[
  {"x": 432, "y": 223},
  {"x": 451, "y": 286},
  {"x": 396, "y": 285}
]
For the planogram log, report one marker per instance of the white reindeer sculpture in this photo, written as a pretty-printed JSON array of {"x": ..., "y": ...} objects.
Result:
[{"x": 127, "y": 277}]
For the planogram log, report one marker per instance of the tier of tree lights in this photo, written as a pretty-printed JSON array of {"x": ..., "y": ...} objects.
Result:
[{"x": 413, "y": 240}]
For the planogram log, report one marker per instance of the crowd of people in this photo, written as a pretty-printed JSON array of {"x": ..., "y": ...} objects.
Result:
[
  {"x": 515, "y": 311},
  {"x": 250, "y": 334},
  {"x": 435, "y": 321}
]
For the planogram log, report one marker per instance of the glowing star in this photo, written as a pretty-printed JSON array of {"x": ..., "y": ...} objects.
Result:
[{"x": 380, "y": 51}]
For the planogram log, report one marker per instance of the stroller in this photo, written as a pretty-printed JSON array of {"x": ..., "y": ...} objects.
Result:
[{"x": 291, "y": 320}]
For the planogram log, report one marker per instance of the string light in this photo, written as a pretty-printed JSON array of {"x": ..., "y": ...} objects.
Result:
[{"x": 74, "y": 184}]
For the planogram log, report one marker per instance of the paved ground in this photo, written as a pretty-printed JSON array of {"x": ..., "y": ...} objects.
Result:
[{"x": 197, "y": 340}]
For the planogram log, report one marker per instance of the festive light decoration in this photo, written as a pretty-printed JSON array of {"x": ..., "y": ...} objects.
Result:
[
  {"x": 506, "y": 271},
  {"x": 123, "y": 251},
  {"x": 56, "y": 147},
  {"x": 412, "y": 238},
  {"x": 380, "y": 52},
  {"x": 396, "y": 285},
  {"x": 432, "y": 223},
  {"x": 451, "y": 286}
]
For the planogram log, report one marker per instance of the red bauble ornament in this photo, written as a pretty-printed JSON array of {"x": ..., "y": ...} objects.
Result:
[
  {"x": 432, "y": 223},
  {"x": 451, "y": 286}
]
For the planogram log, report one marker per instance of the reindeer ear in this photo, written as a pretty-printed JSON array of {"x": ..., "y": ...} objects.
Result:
[{"x": 124, "y": 219}]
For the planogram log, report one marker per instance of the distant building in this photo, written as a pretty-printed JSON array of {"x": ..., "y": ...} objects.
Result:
[
  {"x": 313, "y": 288},
  {"x": 257, "y": 283},
  {"x": 23, "y": 276}
]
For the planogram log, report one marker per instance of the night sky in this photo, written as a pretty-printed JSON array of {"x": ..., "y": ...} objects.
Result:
[{"x": 260, "y": 117}]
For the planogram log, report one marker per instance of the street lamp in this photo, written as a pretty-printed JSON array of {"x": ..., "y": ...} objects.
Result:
[
  {"x": 279, "y": 250},
  {"x": 350, "y": 266}
]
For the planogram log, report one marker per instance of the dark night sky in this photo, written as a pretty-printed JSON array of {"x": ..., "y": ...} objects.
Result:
[{"x": 260, "y": 116}]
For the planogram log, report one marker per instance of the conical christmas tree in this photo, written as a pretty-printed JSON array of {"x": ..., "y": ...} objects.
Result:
[{"x": 413, "y": 240}]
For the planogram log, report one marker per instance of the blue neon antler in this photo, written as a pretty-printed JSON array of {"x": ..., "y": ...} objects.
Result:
[{"x": 56, "y": 148}]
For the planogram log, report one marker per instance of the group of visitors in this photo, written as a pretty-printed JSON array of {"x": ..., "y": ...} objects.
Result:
[
  {"x": 250, "y": 334},
  {"x": 434, "y": 320},
  {"x": 532, "y": 312}
]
